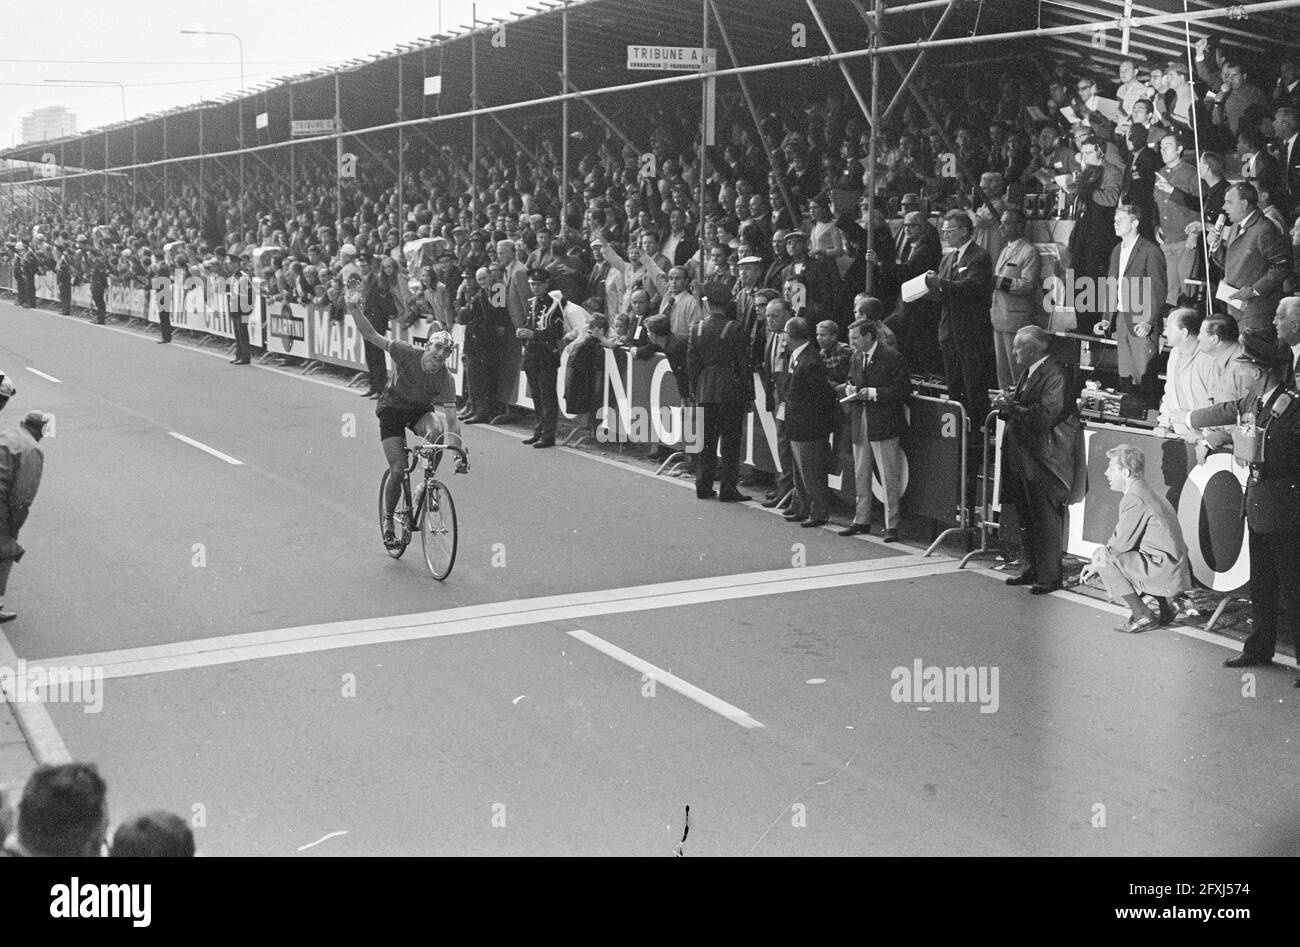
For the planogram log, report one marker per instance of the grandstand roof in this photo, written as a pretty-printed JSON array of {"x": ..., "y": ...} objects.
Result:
[{"x": 600, "y": 30}]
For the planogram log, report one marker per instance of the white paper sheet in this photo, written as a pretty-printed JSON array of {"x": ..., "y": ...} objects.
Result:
[
  {"x": 915, "y": 288},
  {"x": 1225, "y": 295}
]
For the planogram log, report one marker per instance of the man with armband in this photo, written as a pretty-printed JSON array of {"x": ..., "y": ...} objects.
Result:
[{"x": 1267, "y": 437}]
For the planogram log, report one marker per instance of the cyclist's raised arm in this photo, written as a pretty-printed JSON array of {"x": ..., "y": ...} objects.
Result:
[{"x": 369, "y": 333}]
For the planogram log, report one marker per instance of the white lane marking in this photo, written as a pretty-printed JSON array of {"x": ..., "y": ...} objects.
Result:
[
  {"x": 667, "y": 679},
  {"x": 43, "y": 375},
  {"x": 206, "y": 449},
  {"x": 42, "y": 737},
  {"x": 324, "y": 838},
  {"x": 231, "y": 649},
  {"x": 1189, "y": 631}
]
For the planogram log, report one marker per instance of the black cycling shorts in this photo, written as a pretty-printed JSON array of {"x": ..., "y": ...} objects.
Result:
[{"x": 393, "y": 421}]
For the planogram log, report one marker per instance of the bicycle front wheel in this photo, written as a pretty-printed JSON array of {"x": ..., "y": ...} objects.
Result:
[{"x": 438, "y": 530}]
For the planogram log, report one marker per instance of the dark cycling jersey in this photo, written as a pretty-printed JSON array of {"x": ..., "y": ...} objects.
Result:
[{"x": 410, "y": 386}]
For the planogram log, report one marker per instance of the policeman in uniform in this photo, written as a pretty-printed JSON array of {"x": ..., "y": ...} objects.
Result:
[
  {"x": 20, "y": 272},
  {"x": 99, "y": 286},
  {"x": 239, "y": 298},
  {"x": 717, "y": 361},
  {"x": 63, "y": 275},
  {"x": 1272, "y": 504},
  {"x": 541, "y": 334}
]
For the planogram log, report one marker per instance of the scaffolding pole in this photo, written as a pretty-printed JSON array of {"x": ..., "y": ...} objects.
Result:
[
  {"x": 869, "y": 277},
  {"x": 1244, "y": 10},
  {"x": 916, "y": 63},
  {"x": 401, "y": 152},
  {"x": 564, "y": 118},
  {"x": 473, "y": 122},
  {"x": 795, "y": 215},
  {"x": 704, "y": 118},
  {"x": 867, "y": 112},
  {"x": 338, "y": 164}
]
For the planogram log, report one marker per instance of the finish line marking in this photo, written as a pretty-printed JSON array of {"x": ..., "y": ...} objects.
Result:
[
  {"x": 232, "y": 649},
  {"x": 43, "y": 375},
  {"x": 33, "y": 719},
  {"x": 206, "y": 449},
  {"x": 668, "y": 679}
]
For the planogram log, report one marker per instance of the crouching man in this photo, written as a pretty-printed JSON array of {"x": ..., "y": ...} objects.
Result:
[{"x": 1146, "y": 552}]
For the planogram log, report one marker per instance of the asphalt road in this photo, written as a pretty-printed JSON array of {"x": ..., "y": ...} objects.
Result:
[{"x": 272, "y": 675}]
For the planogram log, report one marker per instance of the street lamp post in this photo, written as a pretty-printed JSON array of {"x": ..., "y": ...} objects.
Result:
[
  {"x": 238, "y": 39},
  {"x": 120, "y": 86}
]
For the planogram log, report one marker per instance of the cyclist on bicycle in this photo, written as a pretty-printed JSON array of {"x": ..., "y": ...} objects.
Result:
[{"x": 420, "y": 395}]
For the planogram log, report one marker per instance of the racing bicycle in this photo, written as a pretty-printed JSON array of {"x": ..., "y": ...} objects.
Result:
[{"x": 431, "y": 511}]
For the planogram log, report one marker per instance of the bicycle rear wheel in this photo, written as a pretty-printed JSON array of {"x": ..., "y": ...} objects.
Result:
[
  {"x": 438, "y": 530},
  {"x": 401, "y": 517}
]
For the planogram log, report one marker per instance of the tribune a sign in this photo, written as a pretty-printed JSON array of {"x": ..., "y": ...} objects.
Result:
[
  {"x": 307, "y": 127},
  {"x": 678, "y": 58}
]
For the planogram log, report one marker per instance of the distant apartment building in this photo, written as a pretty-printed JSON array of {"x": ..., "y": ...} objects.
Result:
[{"x": 53, "y": 122}]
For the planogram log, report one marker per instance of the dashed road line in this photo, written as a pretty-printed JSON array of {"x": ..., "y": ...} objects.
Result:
[
  {"x": 206, "y": 449},
  {"x": 667, "y": 679},
  {"x": 41, "y": 374}
]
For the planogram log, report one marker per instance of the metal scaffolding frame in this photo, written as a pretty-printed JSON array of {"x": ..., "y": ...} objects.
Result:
[{"x": 569, "y": 92}]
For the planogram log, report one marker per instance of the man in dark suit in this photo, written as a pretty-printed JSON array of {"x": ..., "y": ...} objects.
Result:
[
  {"x": 878, "y": 385},
  {"x": 751, "y": 300},
  {"x": 1272, "y": 494},
  {"x": 1287, "y": 151},
  {"x": 917, "y": 327},
  {"x": 1038, "y": 450},
  {"x": 774, "y": 370},
  {"x": 1136, "y": 296},
  {"x": 718, "y": 366},
  {"x": 964, "y": 287},
  {"x": 811, "y": 414},
  {"x": 1254, "y": 256}
]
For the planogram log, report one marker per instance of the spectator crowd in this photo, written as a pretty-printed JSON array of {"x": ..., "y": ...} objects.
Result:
[{"x": 1181, "y": 187}]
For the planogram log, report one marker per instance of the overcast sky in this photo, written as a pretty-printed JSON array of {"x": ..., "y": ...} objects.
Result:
[{"x": 138, "y": 45}]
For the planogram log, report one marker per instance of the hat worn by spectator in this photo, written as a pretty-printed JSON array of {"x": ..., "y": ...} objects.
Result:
[
  {"x": 1261, "y": 348},
  {"x": 347, "y": 250},
  {"x": 748, "y": 260},
  {"x": 539, "y": 274},
  {"x": 796, "y": 235}
]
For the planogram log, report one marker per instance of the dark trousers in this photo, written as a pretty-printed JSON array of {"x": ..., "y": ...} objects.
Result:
[
  {"x": 1274, "y": 592},
  {"x": 20, "y": 284},
  {"x": 811, "y": 492},
  {"x": 243, "y": 351},
  {"x": 508, "y": 365},
  {"x": 378, "y": 370},
  {"x": 542, "y": 380},
  {"x": 970, "y": 369},
  {"x": 101, "y": 307},
  {"x": 1039, "y": 499},
  {"x": 723, "y": 423},
  {"x": 165, "y": 323},
  {"x": 481, "y": 382},
  {"x": 65, "y": 297},
  {"x": 785, "y": 479}
]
